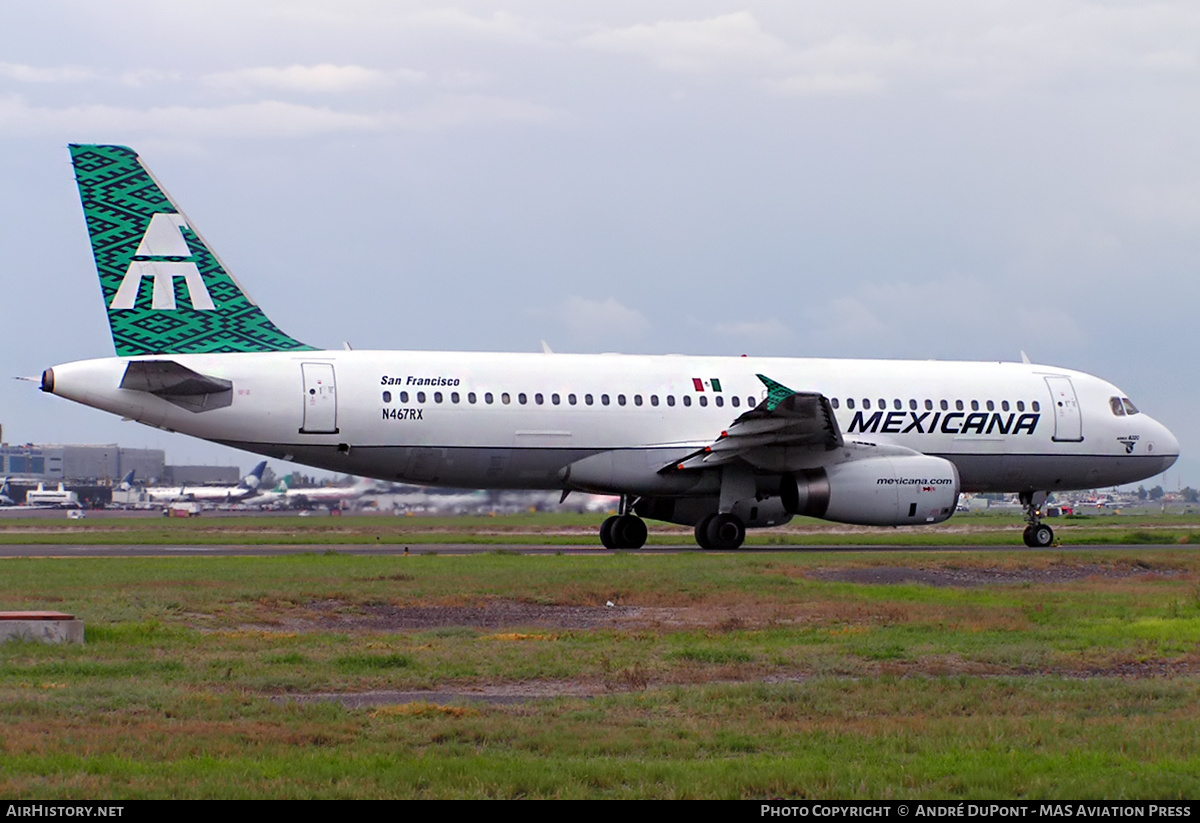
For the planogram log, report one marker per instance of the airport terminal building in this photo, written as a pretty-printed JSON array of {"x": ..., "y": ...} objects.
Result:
[{"x": 102, "y": 465}]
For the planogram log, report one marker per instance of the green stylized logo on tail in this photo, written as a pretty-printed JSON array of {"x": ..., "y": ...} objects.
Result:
[{"x": 166, "y": 291}]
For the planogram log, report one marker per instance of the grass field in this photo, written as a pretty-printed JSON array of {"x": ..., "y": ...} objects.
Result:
[
  {"x": 813, "y": 674},
  {"x": 985, "y": 529}
]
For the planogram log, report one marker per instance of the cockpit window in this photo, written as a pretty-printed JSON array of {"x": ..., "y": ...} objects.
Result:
[
  {"x": 1115, "y": 404},
  {"x": 1129, "y": 407}
]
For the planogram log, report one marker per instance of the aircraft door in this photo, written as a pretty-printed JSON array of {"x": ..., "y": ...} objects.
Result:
[
  {"x": 320, "y": 399},
  {"x": 1068, "y": 423}
]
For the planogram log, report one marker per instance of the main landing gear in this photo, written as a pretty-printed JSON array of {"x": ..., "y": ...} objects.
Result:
[
  {"x": 625, "y": 530},
  {"x": 1037, "y": 534},
  {"x": 721, "y": 532}
]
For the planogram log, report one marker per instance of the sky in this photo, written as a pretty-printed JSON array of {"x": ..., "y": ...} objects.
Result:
[{"x": 929, "y": 179}]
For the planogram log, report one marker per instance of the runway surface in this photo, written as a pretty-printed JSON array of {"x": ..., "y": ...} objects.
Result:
[{"x": 393, "y": 549}]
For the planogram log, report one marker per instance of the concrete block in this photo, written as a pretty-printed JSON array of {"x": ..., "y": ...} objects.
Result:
[{"x": 45, "y": 627}]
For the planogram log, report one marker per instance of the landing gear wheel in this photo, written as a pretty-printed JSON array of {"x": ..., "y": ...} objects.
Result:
[
  {"x": 726, "y": 532},
  {"x": 702, "y": 533},
  {"x": 631, "y": 531},
  {"x": 623, "y": 531},
  {"x": 1037, "y": 534},
  {"x": 606, "y": 532},
  {"x": 1039, "y": 537}
]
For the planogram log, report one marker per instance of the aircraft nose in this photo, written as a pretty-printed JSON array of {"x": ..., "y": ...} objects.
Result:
[{"x": 1164, "y": 445}]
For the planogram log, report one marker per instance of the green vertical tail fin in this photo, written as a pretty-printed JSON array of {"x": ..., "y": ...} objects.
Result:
[{"x": 165, "y": 290}]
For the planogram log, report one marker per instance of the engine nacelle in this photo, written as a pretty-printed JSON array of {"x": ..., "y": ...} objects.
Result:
[
  {"x": 688, "y": 511},
  {"x": 900, "y": 490}
]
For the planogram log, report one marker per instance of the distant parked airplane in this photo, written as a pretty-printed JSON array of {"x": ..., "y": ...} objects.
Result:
[
  {"x": 330, "y": 496},
  {"x": 248, "y": 487}
]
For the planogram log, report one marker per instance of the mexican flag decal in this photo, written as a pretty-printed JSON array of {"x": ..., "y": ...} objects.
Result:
[{"x": 706, "y": 385}]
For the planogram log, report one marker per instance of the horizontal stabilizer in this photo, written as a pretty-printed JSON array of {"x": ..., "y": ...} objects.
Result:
[{"x": 178, "y": 384}]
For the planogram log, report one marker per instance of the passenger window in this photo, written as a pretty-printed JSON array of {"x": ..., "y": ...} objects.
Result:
[
  {"x": 637, "y": 400},
  {"x": 403, "y": 397},
  {"x": 670, "y": 400},
  {"x": 471, "y": 398},
  {"x": 1035, "y": 406},
  {"x": 958, "y": 405},
  {"x": 1003, "y": 405},
  {"x": 974, "y": 405},
  {"x": 387, "y": 397},
  {"x": 945, "y": 406},
  {"x": 604, "y": 399},
  {"x": 896, "y": 403},
  {"x": 654, "y": 400},
  {"x": 522, "y": 399},
  {"x": 571, "y": 399},
  {"x": 736, "y": 401},
  {"x": 505, "y": 398},
  {"x": 991, "y": 406},
  {"x": 928, "y": 405},
  {"x": 487, "y": 398},
  {"x": 719, "y": 400},
  {"x": 587, "y": 398},
  {"x": 703, "y": 400},
  {"x": 751, "y": 402},
  {"x": 453, "y": 397},
  {"x": 912, "y": 404},
  {"x": 687, "y": 400},
  {"x": 554, "y": 398},
  {"x": 420, "y": 397},
  {"x": 1020, "y": 405},
  {"x": 537, "y": 398},
  {"x": 850, "y": 402},
  {"x": 620, "y": 400},
  {"x": 866, "y": 403}
]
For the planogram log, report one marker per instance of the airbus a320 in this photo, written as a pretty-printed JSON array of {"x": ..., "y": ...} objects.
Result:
[{"x": 721, "y": 444}]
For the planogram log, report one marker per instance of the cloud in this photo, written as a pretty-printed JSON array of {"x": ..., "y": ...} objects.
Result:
[
  {"x": 34, "y": 74},
  {"x": 457, "y": 111},
  {"x": 728, "y": 40},
  {"x": 828, "y": 84},
  {"x": 765, "y": 332},
  {"x": 267, "y": 118},
  {"x": 323, "y": 78},
  {"x": 606, "y": 321},
  {"x": 929, "y": 318},
  {"x": 965, "y": 50}
]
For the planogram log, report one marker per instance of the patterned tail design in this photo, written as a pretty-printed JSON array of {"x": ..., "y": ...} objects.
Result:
[{"x": 166, "y": 292}]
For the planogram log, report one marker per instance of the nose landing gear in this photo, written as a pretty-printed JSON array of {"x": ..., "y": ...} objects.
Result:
[{"x": 1037, "y": 534}]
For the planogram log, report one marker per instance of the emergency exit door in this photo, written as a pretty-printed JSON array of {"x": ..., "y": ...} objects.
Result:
[{"x": 320, "y": 399}]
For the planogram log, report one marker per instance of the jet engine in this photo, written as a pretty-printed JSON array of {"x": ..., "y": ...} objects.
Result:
[{"x": 894, "y": 490}]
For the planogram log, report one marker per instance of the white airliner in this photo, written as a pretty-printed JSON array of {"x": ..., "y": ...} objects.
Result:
[
  {"x": 5, "y": 494},
  {"x": 329, "y": 496},
  {"x": 718, "y": 443},
  {"x": 247, "y": 487}
]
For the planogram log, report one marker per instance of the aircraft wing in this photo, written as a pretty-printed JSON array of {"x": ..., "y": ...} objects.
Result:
[{"x": 785, "y": 420}]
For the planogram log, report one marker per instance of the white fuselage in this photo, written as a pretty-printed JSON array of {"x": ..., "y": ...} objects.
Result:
[
  {"x": 207, "y": 494},
  {"x": 426, "y": 417}
]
